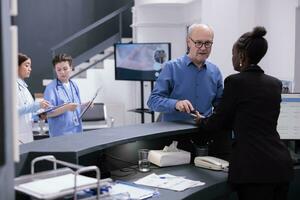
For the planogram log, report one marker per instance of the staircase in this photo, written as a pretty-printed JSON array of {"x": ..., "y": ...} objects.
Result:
[{"x": 93, "y": 44}]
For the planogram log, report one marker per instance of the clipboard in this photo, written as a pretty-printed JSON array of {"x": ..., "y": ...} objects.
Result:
[
  {"x": 45, "y": 111},
  {"x": 89, "y": 104}
]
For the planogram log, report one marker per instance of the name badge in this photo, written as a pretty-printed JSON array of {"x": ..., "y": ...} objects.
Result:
[{"x": 75, "y": 119}]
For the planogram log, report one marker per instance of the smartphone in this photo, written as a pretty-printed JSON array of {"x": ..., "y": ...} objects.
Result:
[{"x": 193, "y": 113}]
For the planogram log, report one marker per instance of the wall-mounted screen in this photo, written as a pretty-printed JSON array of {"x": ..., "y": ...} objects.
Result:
[
  {"x": 140, "y": 61},
  {"x": 289, "y": 119}
]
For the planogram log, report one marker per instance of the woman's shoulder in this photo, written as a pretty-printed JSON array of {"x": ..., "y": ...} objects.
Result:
[
  {"x": 51, "y": 86},
  {"x": 233, "y": 77},
  {"x": 51, "y": 83}
]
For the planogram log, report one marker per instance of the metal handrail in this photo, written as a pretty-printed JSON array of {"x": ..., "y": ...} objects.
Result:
[
  {"x": 85, "y": 69},
  {"x": 54, "y": 161},
  {"x": 79, "y": 169},
  {"x": 92, "y": 26}
]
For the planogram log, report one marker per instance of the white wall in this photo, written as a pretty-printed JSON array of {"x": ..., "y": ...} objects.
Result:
[
  {"x": 297, "y": 51},
  {"x": 278, "y": 16},
  {"x": 166, "y": 22},
  {"x": 228, "y": 19}
]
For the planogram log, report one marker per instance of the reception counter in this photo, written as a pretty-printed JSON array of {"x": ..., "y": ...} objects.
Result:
[
  {"x": 113, "y": 143},
  {"x": 72, "y": 147}
]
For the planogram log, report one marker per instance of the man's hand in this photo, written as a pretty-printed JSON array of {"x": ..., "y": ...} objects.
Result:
[{"x": 184, "y": 106}]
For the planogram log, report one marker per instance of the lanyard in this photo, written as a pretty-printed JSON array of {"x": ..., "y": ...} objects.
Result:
[{"x": 70, "y": 98}]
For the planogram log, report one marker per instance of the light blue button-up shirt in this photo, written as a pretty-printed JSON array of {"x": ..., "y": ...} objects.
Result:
[
  {"x": 68, "y": 122},
  {"x": 180, "y": 79}
]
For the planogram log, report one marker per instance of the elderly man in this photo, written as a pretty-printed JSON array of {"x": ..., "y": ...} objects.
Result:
[{"x": 191, "y": 83}]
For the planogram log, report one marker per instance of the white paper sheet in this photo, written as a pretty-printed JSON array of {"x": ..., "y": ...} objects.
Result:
[
  {"x": 135, "y": 192},
  {"x": 168, "y": 181}
]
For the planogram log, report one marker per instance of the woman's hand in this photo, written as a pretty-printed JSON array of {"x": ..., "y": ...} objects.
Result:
[
  {"x": 198, "y": 118},
  {"x": 43, "y": 116},
  {"x": 87, "y": 103},
  {"x": 71, "y": 106},
  {"x": 44, "y": 104}
]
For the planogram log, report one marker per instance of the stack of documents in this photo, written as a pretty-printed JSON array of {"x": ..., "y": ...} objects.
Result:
[
  {"x": 168, "y": 181},
  {"x": 52, "y": 187}
]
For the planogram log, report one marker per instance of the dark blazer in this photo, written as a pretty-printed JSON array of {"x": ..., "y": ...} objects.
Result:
[{"x": 250, "y": 107}]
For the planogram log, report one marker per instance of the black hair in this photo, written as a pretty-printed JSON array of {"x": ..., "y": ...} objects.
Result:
[
  {"x": 62, "y": 58},
  {"x": 22, "y": 58},
  {"x": 253, "y": 44}
]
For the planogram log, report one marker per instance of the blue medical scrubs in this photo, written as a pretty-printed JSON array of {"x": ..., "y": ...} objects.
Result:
[{"x": 68, "y": 122}]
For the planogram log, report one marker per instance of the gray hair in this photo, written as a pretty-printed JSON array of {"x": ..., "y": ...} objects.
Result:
[{"x": 192, "y": 27}]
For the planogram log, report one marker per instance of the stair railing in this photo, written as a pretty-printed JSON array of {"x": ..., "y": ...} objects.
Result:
[{"x": 96, "y": 24}]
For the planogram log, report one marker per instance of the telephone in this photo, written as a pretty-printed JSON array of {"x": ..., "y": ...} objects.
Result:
[{"x": 210, "y": 162}]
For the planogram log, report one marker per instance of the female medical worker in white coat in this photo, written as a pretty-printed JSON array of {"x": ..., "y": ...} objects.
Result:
[
  {"x": 66, "y": 119},
  {"x": 26, "y": 105}
]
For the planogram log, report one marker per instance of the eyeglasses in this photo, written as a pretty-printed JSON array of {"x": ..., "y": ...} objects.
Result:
[{"x": 199, "y": 44}]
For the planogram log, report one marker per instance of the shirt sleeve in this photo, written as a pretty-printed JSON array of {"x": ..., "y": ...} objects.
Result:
[
  {"x": 224, "y": 113},
  {"x": 31, "y": 108},
  {"x": 50, "y": 96},
  {"x": 159, "y": 100}
]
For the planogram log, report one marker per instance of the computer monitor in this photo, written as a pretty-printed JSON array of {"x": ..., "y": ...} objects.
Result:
[
  {"x": 140, "y": 61},
  {"x": 288, "y": 125}
]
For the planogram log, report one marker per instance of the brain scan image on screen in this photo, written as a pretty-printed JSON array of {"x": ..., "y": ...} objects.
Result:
[
  {"x": 159, "y": 59},
  {"x": 135, "y": 57},
  {"x": 140, "y": 61}
]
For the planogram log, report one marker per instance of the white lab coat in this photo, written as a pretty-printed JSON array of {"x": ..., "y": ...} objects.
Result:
[{"x": 26, "y": 106}]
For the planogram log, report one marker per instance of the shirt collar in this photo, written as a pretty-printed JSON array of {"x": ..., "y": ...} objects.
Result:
[
  {"x": 187, "y": 61},
  {"x": 59, "y": 83},
  {"x": 22, "y": 83},
  {"x": 253, "y": 68}
]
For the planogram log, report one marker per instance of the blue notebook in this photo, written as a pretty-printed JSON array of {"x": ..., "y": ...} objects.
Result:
[{"x": 45, "y": 111}]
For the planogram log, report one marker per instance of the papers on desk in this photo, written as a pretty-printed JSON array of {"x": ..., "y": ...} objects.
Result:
[
  {"x": 168, "y": 181},
  {"x": 53, "y": 186},
  {"x": 133, "y": 190}
]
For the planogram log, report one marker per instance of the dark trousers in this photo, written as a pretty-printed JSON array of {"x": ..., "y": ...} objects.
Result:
[{"x": 262, "y": 191}]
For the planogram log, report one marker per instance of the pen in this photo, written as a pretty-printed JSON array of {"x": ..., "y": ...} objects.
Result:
[{"x": 165, "y": 177}]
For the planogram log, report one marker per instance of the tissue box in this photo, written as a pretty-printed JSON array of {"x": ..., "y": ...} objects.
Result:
[{"x": 163, "y": 158}]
